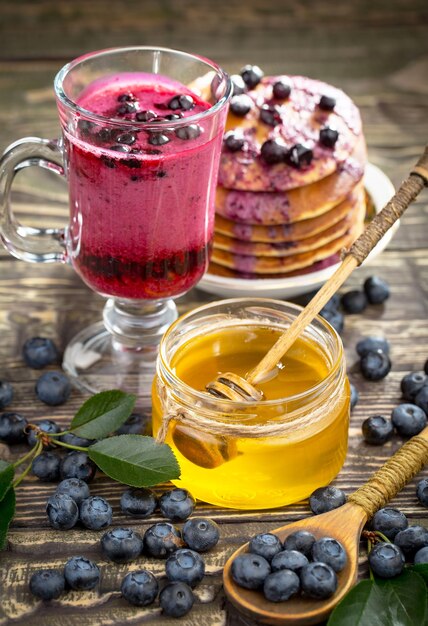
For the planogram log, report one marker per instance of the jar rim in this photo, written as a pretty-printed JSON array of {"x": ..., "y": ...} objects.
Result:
[{"x": 226, "y": 405}]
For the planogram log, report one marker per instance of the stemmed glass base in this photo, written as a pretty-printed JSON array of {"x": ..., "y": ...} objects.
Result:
[{"x": 120, "y": 352}]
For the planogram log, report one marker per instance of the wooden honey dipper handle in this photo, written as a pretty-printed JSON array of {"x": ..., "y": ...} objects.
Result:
[{"x": 373, "y": 233}]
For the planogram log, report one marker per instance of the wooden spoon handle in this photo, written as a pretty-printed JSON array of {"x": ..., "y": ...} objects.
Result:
[
  {"x": 393, "y": 475},
  {"x": 373, "y": 233}
]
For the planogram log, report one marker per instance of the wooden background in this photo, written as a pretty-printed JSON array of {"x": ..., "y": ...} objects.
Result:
[{"x": 375, "y": 50}]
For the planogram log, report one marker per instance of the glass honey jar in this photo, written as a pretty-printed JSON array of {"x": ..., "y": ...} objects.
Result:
[{"x": 262, "y": 454}]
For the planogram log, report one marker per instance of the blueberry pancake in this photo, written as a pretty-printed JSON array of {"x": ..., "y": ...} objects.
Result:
[
  {"x": 227, "y": 272},
  {"x": 277, "y": 142}
]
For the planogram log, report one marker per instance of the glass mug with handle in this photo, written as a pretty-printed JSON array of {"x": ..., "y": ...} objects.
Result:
[{"x": 141, "y": 139}]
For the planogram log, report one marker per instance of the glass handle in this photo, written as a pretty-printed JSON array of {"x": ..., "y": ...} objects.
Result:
[{"x": 35, "y": 245}]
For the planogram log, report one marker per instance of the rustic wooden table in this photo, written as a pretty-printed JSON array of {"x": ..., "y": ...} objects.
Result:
[{"x": 378, "y": 53}]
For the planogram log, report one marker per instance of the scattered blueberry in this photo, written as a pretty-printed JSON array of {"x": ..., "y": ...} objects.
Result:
[
  {"x": 74, "y": 440},
  {"x": 251, "y": 75},
  {"x": 299, "y": 156},
  {"x": 126, "y": 107},
  {"x": 121, "y": 545},
  {"x": 421, "y": 399},
  {"x": 270, "y": 115},
  {"x": 330, "y": 551},
  {"x": 412, "y": 539},
  {"x": 376, "y": 290},
  {"x": 355, "y": 396},
  {"x": 327, "y": 103},
  {"x": 185, "y": 566},
  {"x": 136, "y": 424},
  {"x": 377, "y": 430},
  {"x": 289, "y": 559},
  {"x": 47, "y": 584},
  {"x": 126, "y": 138},
  {"x": 265, "y": 545},
  {"x": 158, "y": 139},
  {"x": 250, "y": 570},
  {"x": 318, "y": 580},
  {"x": 372, "y": 344},
  {"x": 375, "y": 365},
  {"x": 421, "y": 556},
  {"x": 39, "y": 352},
  {"x": 62, "y": 511},
  {"x": 53, "y": 388},
  {"x": 280, "y": 586},
  {"x": 6, "y": 394},
  {"x": 301, "y": 540},
  {"x": 273, "y": 151},
  {"x": 234, "y": 141},
  {"x": 75, "y": 488},
  {"x": 411, "y": 384},
  {"x": 281, "y": 89},
  {"x": 201, "y": 534},
  {"x": 176, "y": 599},
  {"x": 140, "y": 588},
  {"x": 326, "y": 499},
  {"x": 46, "y": 467},
  {"x": 183, "y": 101},
  {"x": 408, "y": 419},
  {"x": 47, "y": 426},
  {"x": 335, "y": 318},
  {"x": 138, "y": 502},
  {"x": 328, "y": 137},
  {"x": 77, "y": 464},
  {"x": 386, "y": 560},
  {"x": 238, "y": 84},
  {"x": 145, "y": 116},
  {"x": 12, "y": 427},
  {"x": 177, "y": 505},
  {"x": 241, "y": 105},
  {"x": 81, "y": 574},
  {"x": 422, "y": 491},
  {"x": 354, "y": 301},
  {"x": 161, "y": 540},
  {"x": 389, "y": 522},
  {"x": 332, "y": 304},
  {"x": 192, "y": 131},
  {"x": 95, "y": 513}
]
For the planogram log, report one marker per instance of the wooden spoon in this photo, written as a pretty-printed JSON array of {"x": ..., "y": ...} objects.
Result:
[
  {"x": 233, "y": 386},
  {"x": 345, "y": 525}
]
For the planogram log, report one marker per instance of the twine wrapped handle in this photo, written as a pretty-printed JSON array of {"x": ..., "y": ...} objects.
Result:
[
  {"x": 408, "y": 191},
  {"x": 391, "y": 477}
]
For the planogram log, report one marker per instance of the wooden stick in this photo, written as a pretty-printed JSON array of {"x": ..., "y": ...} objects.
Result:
[{"x": 407, "y": 192}]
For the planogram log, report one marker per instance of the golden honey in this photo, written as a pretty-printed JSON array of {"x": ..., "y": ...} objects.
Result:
[{"x": 252, "y": 455}]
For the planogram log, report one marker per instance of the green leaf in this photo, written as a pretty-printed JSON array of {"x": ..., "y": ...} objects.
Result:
[
  {"x": 102, "y": 414},
  {"x": 135, "y": 460},
  {"x": 421, "y": 569},
  {"x": 7, "y": 511},
  {"x": 6, "y": 476},
  {"x": 399, "y": 601}
]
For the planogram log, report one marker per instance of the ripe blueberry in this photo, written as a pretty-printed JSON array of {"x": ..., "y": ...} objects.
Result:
[
  {"x": 46, "y": 467},
  {"x": 299, "y": 156},
  {"x": 408, "y": 419},
  {"x": 250, "y": 570},
  {"x": 47, "y": 426},
  {"x": 176, "y": 599},
  {"x": 6, "y": 394},
  {"x": 335, "y": 318},
  {"x": 422, "y": 492},
  {"x": 145, "y": 116},
  {"x": 39, "y": 352},
  {"x": 177, "y": 505},
  {"x": 47, "y": 584},
  {"x": 300, "y": 540},
  {"x": 81, "y": 574},
  {"x": 77, "y": 464},
  {"x": 376, "y": 290},
  {"x": 12, "y": 427},
  {"x": 185, "y": 566},
  {"x": 421, "y": 556},
  {"x": 95, "y": 513},
  {"x": 327, "y": 103},
  {"x": 161, "y": 539},
  {"x": 183, "y": 102},
  {"x": 281, "y": 89},
  {"x": 75, "y": 488},
  {"x": 355, "y": 396},
  {"x": 75, "y": 440},
  {"x": 326, "y": 499},
  {"x": 281, "y": 585},
  {"x": 318, "y": 580},
  {"x": 421, "y": 399},
  {"x": 273, "y": 151},
  {"x": 412, "y": 383},
  {"x": 192, "y": 131},
  {"x": 251, "y": 75},
  {"x": 270, "y": 115},
  {"x": 136, "y": 424},
  {"x": 53, "y": 388},
  {"x": 237, "y": 84},
  {"x": 389, "y": 522},
  {"x": 121, "y": 545},
  {"x": 234, "y": 141},
  {"x": 375, "y": 365},
  {"x": 412, "y": 539},
  {"x": 386, "y": 560},
  {"x": 241, "y": 105},
  {"x": 377, "y": 430},
  {"x": 372, "y": 344},
  {"x": 289, "y": 559},
  {"x": 328, "y": 137},
  {"x": 140, "y": 588},
  {"x": 201, "y": 534},
  {"x": 354, "y": 301},
  {"x": 265, "y": 545},
  {"x": 62, "y": 511},
  {"x": 330, "y": 551},
  {"x": 138, "y": 502}
]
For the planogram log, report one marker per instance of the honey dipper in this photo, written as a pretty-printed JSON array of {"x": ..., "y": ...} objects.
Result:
[
  {"x": 234, "y": 387},
  {"x": 344, "y": 524}
]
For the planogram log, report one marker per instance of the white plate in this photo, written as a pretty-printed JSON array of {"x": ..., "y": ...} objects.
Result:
[{"x": 381, "y": 190}]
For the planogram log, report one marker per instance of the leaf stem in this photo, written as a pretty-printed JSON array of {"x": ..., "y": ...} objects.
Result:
[
  {"x": 382, "y": 536},
  {"x": 21, "y": 477},
  {"x": 68, "y": 445},
  {"x": 369, "y": 549},
  {"x": 26, "y": 456}
]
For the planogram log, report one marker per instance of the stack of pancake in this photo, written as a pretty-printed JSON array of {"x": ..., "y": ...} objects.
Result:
[{"x": 290, "y": 194}]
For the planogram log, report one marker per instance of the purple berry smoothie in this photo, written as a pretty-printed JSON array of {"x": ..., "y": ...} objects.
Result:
[{"x": 141, "y": 200}]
